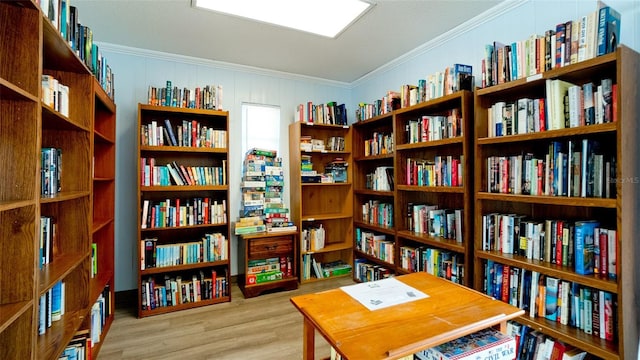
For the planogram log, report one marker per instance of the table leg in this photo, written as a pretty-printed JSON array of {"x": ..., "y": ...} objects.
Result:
[
  {"x": 309, "y": 337},
  {"x": 503, "y": 327}
]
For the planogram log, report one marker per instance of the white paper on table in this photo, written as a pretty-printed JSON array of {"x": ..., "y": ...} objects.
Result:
[{"x": 383, "y": 293}]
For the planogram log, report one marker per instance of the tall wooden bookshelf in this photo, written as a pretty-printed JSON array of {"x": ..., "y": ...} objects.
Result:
[
  {"x": 619, "y": 212},
  {"x": 103, "y": 204},
  {"x": 373, "y": 191},
  {"x": 448, "y": 152},
  {"x": 178, "y": 216},
  {"x": 36, "y": 49},
  {"x": 329, "y": 205},
  {"x": 452, "y": 255}
]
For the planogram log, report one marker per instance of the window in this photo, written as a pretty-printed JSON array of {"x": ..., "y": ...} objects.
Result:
[{"x": 261, "y": 127}]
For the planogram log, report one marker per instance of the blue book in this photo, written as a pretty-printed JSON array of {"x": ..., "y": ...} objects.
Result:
[
  {"x": 608, "y": 29},
  {"x": 56, "y": 301},
  {"x": 551, "y": 300},
  {"x": 172, "y": 136},
  {"x": 584, "y": 246}
]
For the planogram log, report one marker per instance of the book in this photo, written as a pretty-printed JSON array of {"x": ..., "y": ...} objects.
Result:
[
  {"x": 584, "y": 246},
  {"x": 551, "y": 301},
  {"x": 484, "y": 344},
  {"x": 608, "y": 29},
  {"x": 172, "y": 136}
]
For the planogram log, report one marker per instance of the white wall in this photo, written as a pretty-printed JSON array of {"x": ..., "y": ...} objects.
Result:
[
  {"x": 510, "y": 21},
  {"x": 137, "y": 69}
]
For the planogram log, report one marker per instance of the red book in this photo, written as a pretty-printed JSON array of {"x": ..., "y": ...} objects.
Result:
[
  {"x": 194, "y": 133},
  {"x": 559, "y": 242},
  {"x": 614, "y": 101},
  {"x": 543, "y": 115},
  {"x": 506, "y": 277},
  {"x": 603, "y": 259},
  {"x": 177, "y": 213},
  {"x": 454, "y": 172}
]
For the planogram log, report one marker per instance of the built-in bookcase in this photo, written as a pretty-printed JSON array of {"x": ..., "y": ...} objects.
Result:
[
  {"x": 102, "y": 287},
  {"x": 183, "y": 228},
  {"x": 413, "y": 190},
  {"x": 373, "y": 196},
  {"x": 316, "y": 204},
  {"x": 552, "y": 217},
  {"x": 434, "y": 187},
  {"x": 29, "y": 125}
]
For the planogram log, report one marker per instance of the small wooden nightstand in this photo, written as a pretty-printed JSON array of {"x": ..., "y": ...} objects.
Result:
[{"x": 264, "y": 246}]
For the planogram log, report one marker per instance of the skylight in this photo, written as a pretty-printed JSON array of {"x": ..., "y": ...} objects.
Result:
[{"x": 323, "y": 17}]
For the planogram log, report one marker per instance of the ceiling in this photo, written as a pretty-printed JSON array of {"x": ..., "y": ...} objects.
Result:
[{"x": 387, "y": 31}]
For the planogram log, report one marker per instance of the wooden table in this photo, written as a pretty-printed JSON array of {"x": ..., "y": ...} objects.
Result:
[{"x": 450, "y": 311}]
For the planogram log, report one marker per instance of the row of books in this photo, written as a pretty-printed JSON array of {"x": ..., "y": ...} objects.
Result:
[
  {"x": 174, "y": 174},
  {"x": 183, "y": 212},
  {"x": 575, "y": 168},
  {"x": 79, "y": 348},
  {"x": 434, "y": 127},
  {"x": 64, "y": 18},
  {"x": 100, "y": 312},
  {"x": 311, "y": 267},
  {"x": 330, "y": 113},
  {"x": 590, "y": 310},
  {"x": 566, "y": 105},
  {"x": 594, "y": 34},
  {"x": 48, "y": 235},
  {"x": 174, "y": 290},
  {"x": 191, "y": 133},
  {"x": 365, "y": 271},
  {"x": 379, "y": 144},
  {"x": 441, "y": 171},
  {"x": 208, "y": 97},
  {"x": 531, "y": 344},
  {"x": 377, "y": 213},
  {"x": 50, "y": 171},
  {"x": 442, "y": 263},
  {"x": 51, "y": 307},
  {"x": 381, "y": 179},
  {"x": 212, "y": 247},
  {"x": 389, "y": 102},
  {"x": 448, "y": 81},
  {"x": 375, "y": 245},
  {"x": 312, "y": 238},
  {"x": 55, "y": 95},
  {"x": 585, "y": 246},
  {"x": 452, "y": 79},
  {"x": 433, "y": 221}
]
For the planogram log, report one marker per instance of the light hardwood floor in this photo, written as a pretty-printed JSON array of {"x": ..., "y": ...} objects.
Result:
[{"x": 264, "y": 327}]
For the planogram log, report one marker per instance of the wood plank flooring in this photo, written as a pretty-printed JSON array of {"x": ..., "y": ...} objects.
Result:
[{"x": 264, "y": 327}]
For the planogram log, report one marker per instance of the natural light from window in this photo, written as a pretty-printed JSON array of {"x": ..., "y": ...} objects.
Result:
[
  {"x": 323, "y": 17},
  {"x": 261, "y": 127}
]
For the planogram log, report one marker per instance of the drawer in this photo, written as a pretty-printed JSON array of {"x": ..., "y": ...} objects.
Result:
[{"x": 270, "y": 247}]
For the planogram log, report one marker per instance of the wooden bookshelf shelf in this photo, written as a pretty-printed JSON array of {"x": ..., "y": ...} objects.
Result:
[
  {"x": 617, "y": 214},
  {"x": 401, "y": 195},
  {"x": 329, "y": 205},
  {"x": 208, "y": 274},
  {"x": 28, "y": 125}
]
